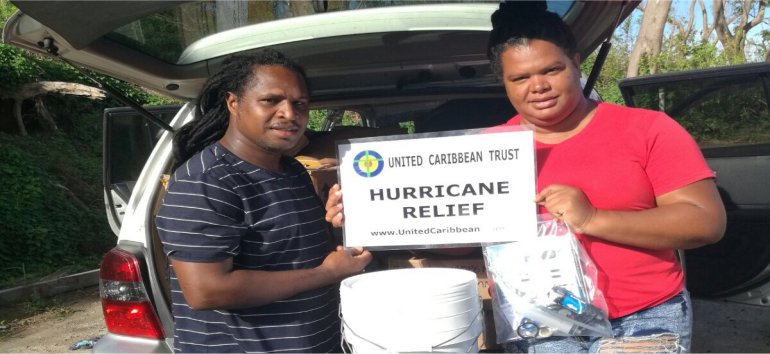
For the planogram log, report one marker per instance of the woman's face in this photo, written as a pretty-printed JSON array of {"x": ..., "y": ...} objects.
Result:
[{"x": 542, "y": 82}]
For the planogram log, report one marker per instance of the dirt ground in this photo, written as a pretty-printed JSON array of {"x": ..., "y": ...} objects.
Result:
[
  {"x": 52, "y": 325},
  {"x": 720, "y": 327}
]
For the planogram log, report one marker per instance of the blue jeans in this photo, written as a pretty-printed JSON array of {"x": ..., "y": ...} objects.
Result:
[{"x": 666, "y": 328}]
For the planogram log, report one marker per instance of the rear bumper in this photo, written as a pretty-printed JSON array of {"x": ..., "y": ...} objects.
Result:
[{"x": 112, "y": 343}]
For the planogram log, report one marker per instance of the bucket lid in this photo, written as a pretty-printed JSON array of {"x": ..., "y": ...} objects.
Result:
[{"x": 430, "y": 281}]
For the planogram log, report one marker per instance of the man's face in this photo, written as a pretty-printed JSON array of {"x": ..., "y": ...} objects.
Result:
[
  {"x": 541, "y": 81},
  {"x": 271, "y": 113}
]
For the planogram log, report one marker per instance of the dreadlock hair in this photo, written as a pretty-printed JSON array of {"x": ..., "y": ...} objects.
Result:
[
  {"x": 211, "y": 116},
  {"x": 516, "y": 23}
]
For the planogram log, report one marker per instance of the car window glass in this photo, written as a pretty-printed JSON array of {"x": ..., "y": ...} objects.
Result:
[
  {"x": 717, "y": 111},
  {"x": 327, "y": 119},
  {"x": 165, "y": 35},
  {"x": 130, "y": 140}
]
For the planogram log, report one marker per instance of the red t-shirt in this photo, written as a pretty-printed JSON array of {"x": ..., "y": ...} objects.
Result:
[{"x": 622, "y": 160}]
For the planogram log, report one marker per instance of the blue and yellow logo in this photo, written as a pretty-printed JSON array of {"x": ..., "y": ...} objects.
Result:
[{"x": 368, "y": 163}]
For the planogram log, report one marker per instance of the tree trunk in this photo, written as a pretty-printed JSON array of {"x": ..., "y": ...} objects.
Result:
[
  {"x": 43, "y": 113},
  {"x": 36, "y": 90},
  {"x": 19, "y": 117},
  {"x": 721, "y": 28},
  {"x": 706, "y": 32},
  {"x": 65, "y": 88},
  {"x": 648, "y": 42},
  {"x": 684, "y": 28},
  {"x": 734, "y": 44},
  {"x": 231, "y": 14}
]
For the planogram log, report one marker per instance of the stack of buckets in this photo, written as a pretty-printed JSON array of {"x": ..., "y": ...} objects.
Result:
[{"x": 412, "y": 310}]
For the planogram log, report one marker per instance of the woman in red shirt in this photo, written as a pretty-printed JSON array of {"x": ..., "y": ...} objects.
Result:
[{"x": 632, "y": 184}]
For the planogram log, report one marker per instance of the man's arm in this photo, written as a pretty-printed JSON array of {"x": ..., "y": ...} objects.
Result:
[{"x": 209, "y": 286}]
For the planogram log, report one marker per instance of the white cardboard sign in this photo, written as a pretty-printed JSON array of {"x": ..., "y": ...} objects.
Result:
[{"x": 448, "y": 189}]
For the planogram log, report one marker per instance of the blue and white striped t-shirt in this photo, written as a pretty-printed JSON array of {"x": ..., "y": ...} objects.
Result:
[{"x": 218, "y": 206}]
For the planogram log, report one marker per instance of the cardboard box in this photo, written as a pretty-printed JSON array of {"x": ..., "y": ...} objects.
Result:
[
  {"x": 318, "y": 153},
  {"x": 323, "y": 179},
  {"x": 488, "y": 339},
  {"x": 323, "y": 144}
]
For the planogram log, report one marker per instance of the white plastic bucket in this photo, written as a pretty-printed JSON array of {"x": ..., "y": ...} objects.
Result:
[{"x": 412, "y": 310}]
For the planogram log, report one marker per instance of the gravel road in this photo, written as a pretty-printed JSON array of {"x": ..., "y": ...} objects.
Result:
[{"x": 720, "y": 327}]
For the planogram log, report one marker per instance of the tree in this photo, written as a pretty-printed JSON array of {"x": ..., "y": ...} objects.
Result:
[
  {"x": 36, "y": 91},
  {"x": 684, "y": 28},
  {"x": 650, "y": 38},
  {"x": 748, "y": 13},
  {"x": 707, "y": 29}
]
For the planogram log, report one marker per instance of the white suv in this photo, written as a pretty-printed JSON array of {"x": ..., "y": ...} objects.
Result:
[{"x": 421, "y": 65}]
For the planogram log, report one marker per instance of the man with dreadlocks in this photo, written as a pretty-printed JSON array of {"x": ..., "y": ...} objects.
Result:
[{"x": 252, "y": 267}]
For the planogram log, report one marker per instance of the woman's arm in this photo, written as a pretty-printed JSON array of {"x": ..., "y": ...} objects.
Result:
[{"x": 688, "y": 217}]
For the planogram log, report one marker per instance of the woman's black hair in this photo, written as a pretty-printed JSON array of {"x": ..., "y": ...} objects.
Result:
[
  {"x": 516, "y": 23},
  {"x": 211, "y": 116}
]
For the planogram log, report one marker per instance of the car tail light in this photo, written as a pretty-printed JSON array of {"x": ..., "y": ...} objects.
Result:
[{"x": 125, "y": 303}]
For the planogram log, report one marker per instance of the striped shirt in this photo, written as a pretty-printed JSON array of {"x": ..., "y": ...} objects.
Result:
[{"x": 217, "y": 207}]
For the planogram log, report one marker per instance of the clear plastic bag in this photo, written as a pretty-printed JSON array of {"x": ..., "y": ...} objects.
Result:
[{"x": 545, "y": 286}]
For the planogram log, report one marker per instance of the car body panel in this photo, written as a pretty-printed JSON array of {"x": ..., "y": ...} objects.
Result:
[
  {"x": 113, "y": 343},
  {"x": 726, "y": 109},
  {"x": 155, "y": 286},
  {"x": 128, "y": 141},
  {"x": 406, "y": 52}
]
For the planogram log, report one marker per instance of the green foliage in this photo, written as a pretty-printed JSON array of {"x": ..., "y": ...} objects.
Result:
[
  {"x": 22, "y": 70},
  {"x": 26, "y": 67},
  {"x": 6, "y": 10},
  {"x": 316, "y": 120},
  {"x": 409, "y": 126},
  {"x": 351, "y": 118},
  {"x": 162, "y": 39},
  {"x": 317, "y": 117},
  {"x": 50, "y": 206},
  {"x": 735, "y": 114},
  {"x": 678, "y": 54},
  {"x": 613, "y": 70},
  {"x": 614, "y": 67}
]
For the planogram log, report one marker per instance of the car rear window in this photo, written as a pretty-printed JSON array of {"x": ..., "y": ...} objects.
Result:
[{"x": 165, "y": 35}]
